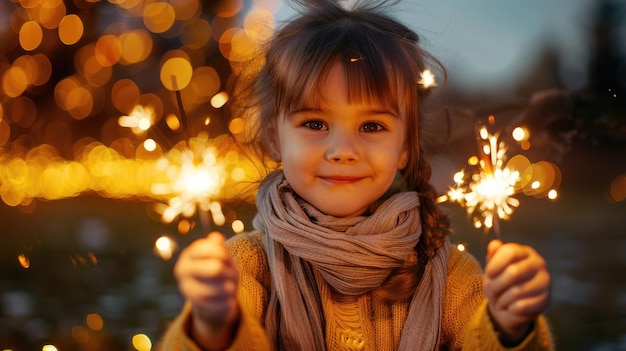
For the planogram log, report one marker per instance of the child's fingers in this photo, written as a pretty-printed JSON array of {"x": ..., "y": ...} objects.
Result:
[
  {"x": 212, "y": 301},
  {"x": 530, "y": 306},
  {"x": 524, "y": 293},
  {"x": 216, "y": 237},
  {"x": 492, "y": 247},
  {"x": 503, "y": 257},
  {"x": 206, "y": 260},
  {"x": 512, "y": 276},
  {"x": 213, "y": 246},
  {"x": 210, "y": 271},
  {"x": 206, "y": 291},
  {"x": 517, "y": 284}
]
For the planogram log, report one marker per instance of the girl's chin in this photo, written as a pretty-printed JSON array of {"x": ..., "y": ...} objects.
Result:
[{"x": 343, "y": 212}]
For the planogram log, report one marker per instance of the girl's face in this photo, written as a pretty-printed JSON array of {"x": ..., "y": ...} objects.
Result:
[{"x": 340, "y": 156}]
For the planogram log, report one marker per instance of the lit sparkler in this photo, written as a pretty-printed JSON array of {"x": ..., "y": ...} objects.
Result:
[
  {"x": 488, "y": 193},
  {"x": 196, "y": 175}
]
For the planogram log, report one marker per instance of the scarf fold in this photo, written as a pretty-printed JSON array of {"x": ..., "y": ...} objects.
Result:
[{"x": 353, "y": 255}]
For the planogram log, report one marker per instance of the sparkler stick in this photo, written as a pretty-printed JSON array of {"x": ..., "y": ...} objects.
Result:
[{"x": 179, "y": 100}]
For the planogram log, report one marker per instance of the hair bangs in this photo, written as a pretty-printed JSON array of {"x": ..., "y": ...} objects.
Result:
[
  {"x": 373, "y": 75},
  {"x": 370, "y": 62}
]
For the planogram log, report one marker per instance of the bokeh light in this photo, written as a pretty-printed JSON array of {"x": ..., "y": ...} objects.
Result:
[
  {"x": 70, "y": 29},
  {"x": 31, "y": 35},
  {"x": 94, "y": 321},
  {"x": 165, "y": 247},
  {"x": 618, "y": 188},
  {"x": 176, "y": 73},
  {"x": 141, "y": 342}
]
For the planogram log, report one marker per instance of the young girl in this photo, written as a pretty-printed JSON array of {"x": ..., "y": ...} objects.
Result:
[{"x": 350, "y": 251}]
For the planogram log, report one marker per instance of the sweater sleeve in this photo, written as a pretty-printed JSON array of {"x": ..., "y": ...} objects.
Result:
[
  {"x": 466, "y": 324},
  {"x": 252, "y": 294},
  {"x": 250, "y": 335}
]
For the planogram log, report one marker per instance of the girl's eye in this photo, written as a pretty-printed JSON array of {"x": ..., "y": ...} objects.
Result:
[
  {"x": 315, "y": 125},
  {"x": 372, "y": 127}
]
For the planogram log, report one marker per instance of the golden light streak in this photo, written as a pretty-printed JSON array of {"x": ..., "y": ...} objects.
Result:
[{"x": 41, "y": 173}]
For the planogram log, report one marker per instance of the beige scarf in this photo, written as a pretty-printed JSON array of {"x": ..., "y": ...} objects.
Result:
[{"x": 353, "y": 255}]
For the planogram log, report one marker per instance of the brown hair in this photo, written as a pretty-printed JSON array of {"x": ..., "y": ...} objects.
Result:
[{"x": 382, "y": 62}]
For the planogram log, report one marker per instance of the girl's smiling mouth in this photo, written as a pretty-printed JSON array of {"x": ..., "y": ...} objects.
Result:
[{"x": 339, "y": 179}]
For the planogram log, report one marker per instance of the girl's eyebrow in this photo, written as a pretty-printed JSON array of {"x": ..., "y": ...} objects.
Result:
[
  {"x": 381, "y": 112},
  {"x": 306, "y": 109},
  {"x": 373, "y": 111}
]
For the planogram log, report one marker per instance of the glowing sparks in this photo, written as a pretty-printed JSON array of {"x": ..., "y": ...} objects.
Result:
[
  {"x": 488, "y": 193},
  {"x": 196, "y": 178},
  {"x": 491, "y": 195},
  {"x": 427, "y": 79},
  {"x": 139, "y": 120},
  {"x": 23, "y": 260}
]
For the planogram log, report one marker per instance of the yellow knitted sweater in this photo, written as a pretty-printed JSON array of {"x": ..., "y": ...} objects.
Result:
[{"x": 361, "y": 322}]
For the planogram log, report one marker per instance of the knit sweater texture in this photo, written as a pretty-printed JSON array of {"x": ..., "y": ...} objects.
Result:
[{"x": 364, "y": 322}]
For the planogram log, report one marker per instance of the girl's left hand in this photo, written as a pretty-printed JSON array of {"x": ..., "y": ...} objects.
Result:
[{"x": 517, "y": 286}]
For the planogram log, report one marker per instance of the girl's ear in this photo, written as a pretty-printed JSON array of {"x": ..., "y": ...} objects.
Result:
[
  {"x": 403, "y": 160},
  {"x": 273, "y": 144},
  {"x": 274, "y": 153}
]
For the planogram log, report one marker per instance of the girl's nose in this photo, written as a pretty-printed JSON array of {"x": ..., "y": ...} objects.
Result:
[{"x": 342, "y": 147}]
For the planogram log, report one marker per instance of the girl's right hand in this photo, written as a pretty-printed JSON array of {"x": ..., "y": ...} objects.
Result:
[{"x": 208, "y": 279}]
